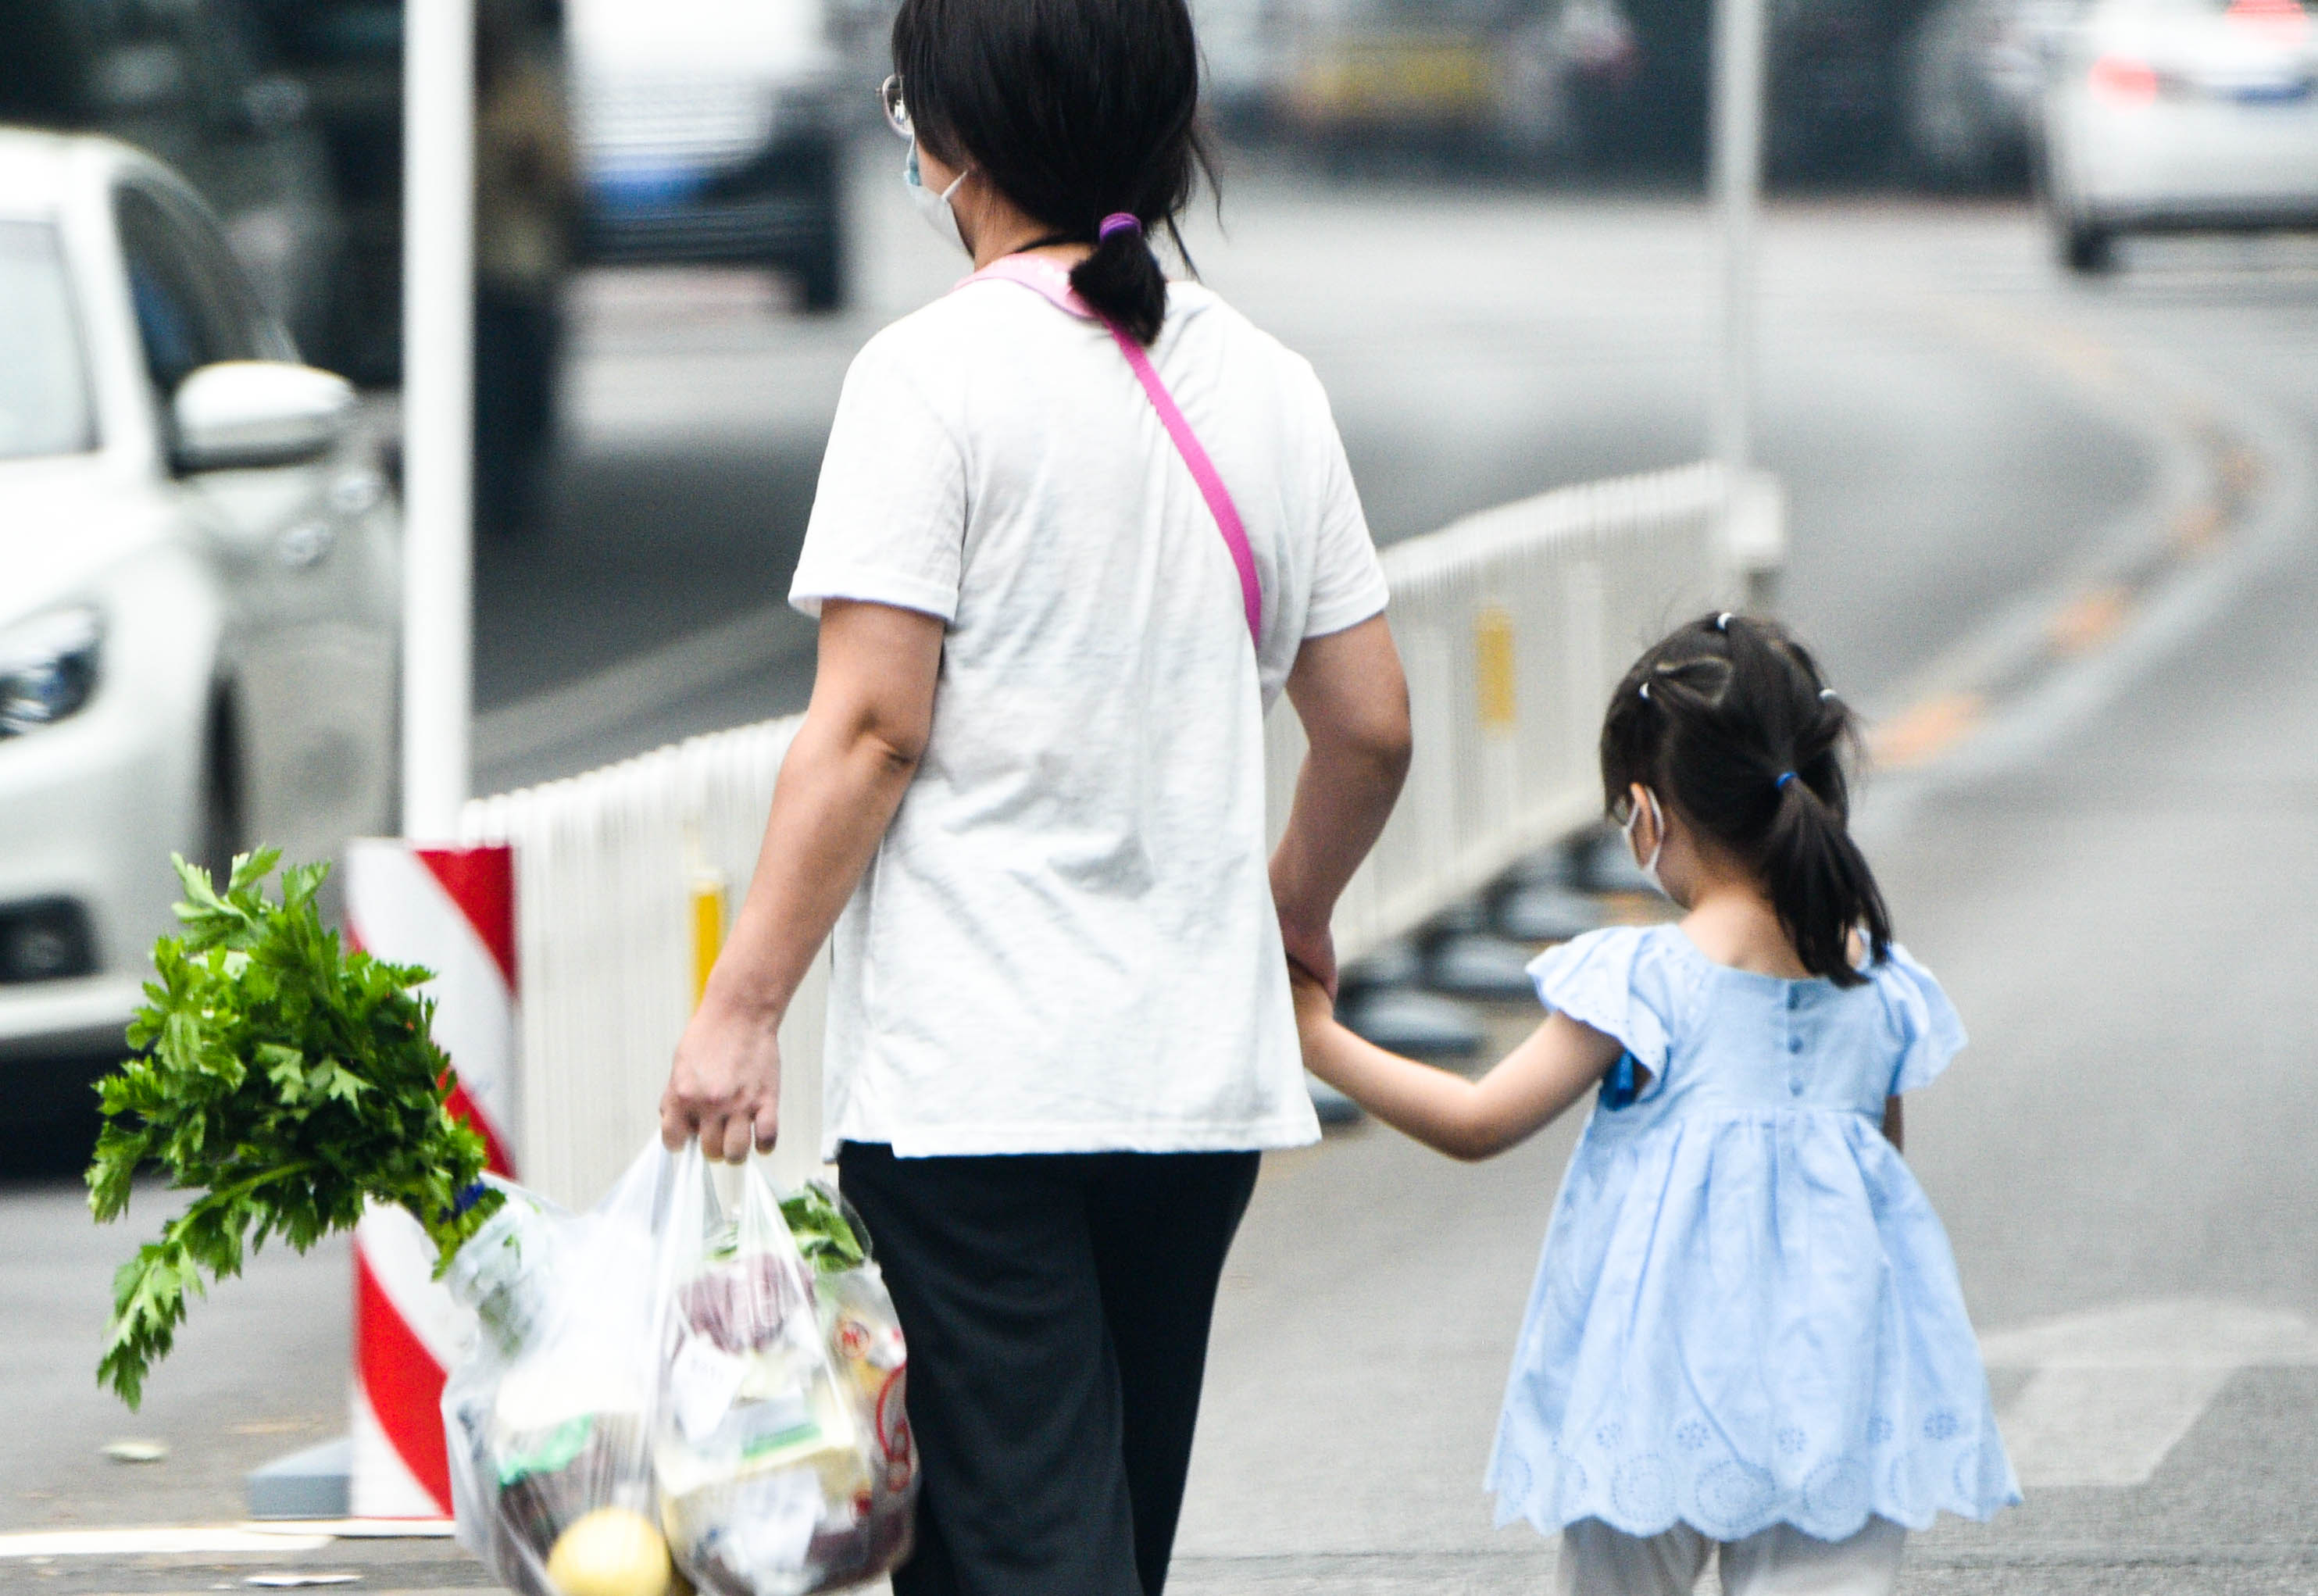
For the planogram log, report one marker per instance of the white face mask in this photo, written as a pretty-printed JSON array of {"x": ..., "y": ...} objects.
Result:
[
  {"x": 1657, "y": 816},
  {"x": 934, "y": 207}
]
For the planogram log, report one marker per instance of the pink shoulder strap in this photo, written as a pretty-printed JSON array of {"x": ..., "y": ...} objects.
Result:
[{"x": 1048, "y": 279}]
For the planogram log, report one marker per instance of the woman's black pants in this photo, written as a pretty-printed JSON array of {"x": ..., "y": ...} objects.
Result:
[{"x": 1057, "y": 1307}]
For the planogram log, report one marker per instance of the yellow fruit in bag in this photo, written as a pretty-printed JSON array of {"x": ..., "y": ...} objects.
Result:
[{"x": 611, "y": 1552}]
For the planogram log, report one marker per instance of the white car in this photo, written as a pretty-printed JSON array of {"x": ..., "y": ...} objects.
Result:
[
  {"x": 2175, "y": 115},
  {"x": 198, "y": 609}
]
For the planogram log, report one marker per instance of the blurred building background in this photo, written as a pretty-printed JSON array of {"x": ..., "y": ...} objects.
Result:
[{"x": 710, "y": 130}]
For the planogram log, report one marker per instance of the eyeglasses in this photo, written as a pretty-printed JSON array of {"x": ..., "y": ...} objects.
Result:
[{"x": 896, "y": 109}]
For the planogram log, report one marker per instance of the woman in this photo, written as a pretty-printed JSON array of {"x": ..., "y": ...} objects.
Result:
[{"x": 1028, "y": 796}]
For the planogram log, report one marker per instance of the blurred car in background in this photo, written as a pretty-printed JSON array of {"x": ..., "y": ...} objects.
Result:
[
  {"x": 2178, "y": 115},
  {"x": 712, "y": 131},
  {"x": 1528, "y": 79},
  {"x": 1974, "y": 74},
  {"x": 198, "y": 603},
  {"x": 193, "y": 82}
]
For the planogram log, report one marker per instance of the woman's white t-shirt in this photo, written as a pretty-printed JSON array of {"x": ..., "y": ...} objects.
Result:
[{"x": 1066, "y": 941}]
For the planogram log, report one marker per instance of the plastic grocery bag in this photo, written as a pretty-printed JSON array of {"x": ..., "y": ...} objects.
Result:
[
  {"x": 548, "y": 1416},
  {"x": 783, "y": 1453}
]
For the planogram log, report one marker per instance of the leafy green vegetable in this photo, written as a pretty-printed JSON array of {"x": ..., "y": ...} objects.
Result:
[
  {"x": 286, "y": 1080},
  {"x": 825, "y": 1237}
]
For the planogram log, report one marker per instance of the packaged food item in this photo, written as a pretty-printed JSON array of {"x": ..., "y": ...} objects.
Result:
[
  {"x": 779, "y": 1439},
  {"x": 547, "y": 1418},
  {"x": 676, "y": 1386}
]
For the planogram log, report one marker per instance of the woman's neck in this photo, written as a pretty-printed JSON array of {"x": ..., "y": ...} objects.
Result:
[
  {"x": 1017, "y": 237},
  {"x": 995, "y": 228}
]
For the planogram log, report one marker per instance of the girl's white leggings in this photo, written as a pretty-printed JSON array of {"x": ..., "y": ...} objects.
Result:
[{"x": 1782, "y": 1561}]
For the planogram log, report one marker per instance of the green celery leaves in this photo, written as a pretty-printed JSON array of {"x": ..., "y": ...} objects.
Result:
[{"x": 285, "y": 1080}]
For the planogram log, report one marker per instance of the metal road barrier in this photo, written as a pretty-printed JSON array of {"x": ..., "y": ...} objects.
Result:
[{"x": 1513, "y": 624}]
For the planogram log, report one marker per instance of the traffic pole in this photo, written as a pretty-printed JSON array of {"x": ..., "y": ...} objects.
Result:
[
  {"x": 1756, "y": 531},
  {"x": 449, "y": 908},
  {"x": 438, "y": 252},
  {"x": 1738, "y": 182}
]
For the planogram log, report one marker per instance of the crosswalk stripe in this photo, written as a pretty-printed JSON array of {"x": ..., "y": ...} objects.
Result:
[{"x": 2110, "y": 1393}]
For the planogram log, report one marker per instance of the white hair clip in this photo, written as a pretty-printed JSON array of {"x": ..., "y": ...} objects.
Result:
[
  {"x": 1646, "y": 692},
  {"x": 1825, "y": 693},
  {"x": 1723, "y": 621}
]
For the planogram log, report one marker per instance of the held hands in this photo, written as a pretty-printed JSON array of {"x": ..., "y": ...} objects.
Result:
[
  {"x": 1311, "y": 949},
  {"x": 1314, "y": 1009},
  {"x": 725, "y": 1084},
  {"x": 1316, "y": 1021}
]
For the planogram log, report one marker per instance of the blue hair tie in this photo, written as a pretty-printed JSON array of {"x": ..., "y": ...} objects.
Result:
[{"x": 1785, "y": 777}]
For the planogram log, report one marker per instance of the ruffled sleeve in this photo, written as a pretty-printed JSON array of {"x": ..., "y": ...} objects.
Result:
[
  {"x": 1926, "y": 1025},
  {"x": 1614, "y": 982}
]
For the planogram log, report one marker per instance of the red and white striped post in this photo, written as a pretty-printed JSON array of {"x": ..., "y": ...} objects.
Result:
[{"x": 451, "y": 909}]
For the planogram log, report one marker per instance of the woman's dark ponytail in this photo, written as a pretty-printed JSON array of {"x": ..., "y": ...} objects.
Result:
[
  {"x": 1122, "y": 279},
  {"x": 1728, "y": 721},
  {"x": 1077, "y": 110}
]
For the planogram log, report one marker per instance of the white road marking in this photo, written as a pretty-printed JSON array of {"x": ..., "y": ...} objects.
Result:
[
  {"x": 357, "y": 1529},
  {"x": 289, "y": 1582},
  {"x": 2115, "y": 1390},
  {"x": 131, "y": 1543}
]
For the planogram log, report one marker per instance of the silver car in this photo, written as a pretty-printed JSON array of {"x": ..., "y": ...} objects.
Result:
[
  {"x": 198, "y": 612},
  {"x": 2176, "y": 115}
]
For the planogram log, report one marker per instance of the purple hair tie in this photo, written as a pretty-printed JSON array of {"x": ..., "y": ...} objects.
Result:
[{"x": 1119, "y": 222}]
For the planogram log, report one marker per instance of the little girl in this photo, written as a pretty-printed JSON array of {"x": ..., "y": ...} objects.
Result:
[{"x": 1747, "y": 1329}]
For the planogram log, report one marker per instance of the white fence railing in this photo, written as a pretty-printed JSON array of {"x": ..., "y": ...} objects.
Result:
[{"x": 1512, "y": 625}]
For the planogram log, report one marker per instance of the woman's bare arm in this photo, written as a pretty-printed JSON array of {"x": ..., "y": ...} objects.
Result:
[
  {"x": 864, "y": 731},
  {"x": 1895, "y": 1125},
  {"x": 1349, "y": 692},
  {"x": 1468, "y": 1119}
]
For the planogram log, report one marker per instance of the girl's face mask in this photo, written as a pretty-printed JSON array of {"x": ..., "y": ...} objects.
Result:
[
  {"x": 935, "y": 206},
  {"x": 1658, "y": 826}
]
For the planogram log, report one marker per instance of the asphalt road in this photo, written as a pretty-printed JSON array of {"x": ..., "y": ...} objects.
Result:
[
  {"x": 2062, "y": 539},
  {"x": 1478, "y": 348}
]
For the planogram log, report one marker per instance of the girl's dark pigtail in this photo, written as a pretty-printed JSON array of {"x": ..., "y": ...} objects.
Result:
[
  {"x": 1122, "y": 279},
  {"x": 1822, "y": 886}
]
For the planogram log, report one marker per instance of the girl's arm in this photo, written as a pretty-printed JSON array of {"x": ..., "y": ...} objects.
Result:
[
  {"x": 1467, "y": 1119},
  {"x": 1895, "y": 1125}
]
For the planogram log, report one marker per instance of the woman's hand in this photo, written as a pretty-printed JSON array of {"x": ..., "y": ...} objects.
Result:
[
  {"x": 1311, "y": 954},
  {"x": 725, "y": 1087}
]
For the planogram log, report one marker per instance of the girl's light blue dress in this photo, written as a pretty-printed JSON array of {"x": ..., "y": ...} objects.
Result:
[{"x": 1746, "y": 1313}]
